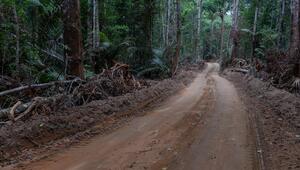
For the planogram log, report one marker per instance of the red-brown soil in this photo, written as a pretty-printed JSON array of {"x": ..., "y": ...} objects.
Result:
[
  {"x": 210, "y": 123},
  {"x": 277, "y": 115},
  {"x": 27, "y": 139},
  {"x": 204, "y": 125}
]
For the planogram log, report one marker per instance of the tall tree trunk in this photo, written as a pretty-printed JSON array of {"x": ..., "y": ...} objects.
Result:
[
  {"x": 222, "y": 16},
  {"x": 3, "y": 47},
  {"x": 102, "y": 7},
  {"x": 90, "y": 26},
  {"x": 96, "y": 36},
  {"x": 93, "y": 38},
  {"x": 168, "y": 22},
  {"x": 73, "y": 38},
  {"x": 295, "y": 41},
  {"x": 194, "y": 35},
  {"x": 222, "y": 34},
  {"x": 178, "y": 38},
  {"x": 295, "y": 36},
  {"x": 2, "y": 50},
  {"x": 163, "y": 27},
  {"x": 148, "y": 26},
  {"x": 90, "y": 35},
  {"x": 198, "y": 34},
  {"x": 254, "y": 36},
  {"x": 234, "y": 35},
  {"x": 211, "y": 36},
  {"x": 280, "y": 25},
  {"x": 17, "y": 30},
  {"x": 3, "y": 56},
  {"x": 96, "y": 28}
]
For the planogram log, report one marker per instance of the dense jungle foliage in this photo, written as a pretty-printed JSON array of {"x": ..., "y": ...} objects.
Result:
[{"x": 47, "y": 40}]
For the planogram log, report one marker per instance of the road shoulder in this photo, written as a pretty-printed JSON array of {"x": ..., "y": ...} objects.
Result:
[{"x": 276, "y": 114}]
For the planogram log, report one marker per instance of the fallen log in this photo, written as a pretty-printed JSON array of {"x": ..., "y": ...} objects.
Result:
[
  {"x": 28, "y": 110},
  {"x": 240, "y": 70},
  {"x": 34, "y": 86},
  {"x": 19, "y": 110},
  {"x": 4, "y": 113}
]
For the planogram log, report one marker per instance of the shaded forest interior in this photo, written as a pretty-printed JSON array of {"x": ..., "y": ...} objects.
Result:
[{"x": 48, "y": 47}]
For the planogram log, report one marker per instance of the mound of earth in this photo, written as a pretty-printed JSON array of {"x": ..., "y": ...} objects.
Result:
[{"x": 277, "y": 115}]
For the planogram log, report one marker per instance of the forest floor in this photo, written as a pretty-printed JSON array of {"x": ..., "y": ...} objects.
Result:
[{"x": 209, "y": 122}]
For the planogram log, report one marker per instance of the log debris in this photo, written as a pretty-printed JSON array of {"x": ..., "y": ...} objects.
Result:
[
  {"x": 111, "y": 82},
  {"x": 4, "y": 113},
  {"x": 34, "y": 86},
  {"x": 240, "y": 70},
  {"x": 13, "y": 110},
  {"x": 29, "y": 109}
]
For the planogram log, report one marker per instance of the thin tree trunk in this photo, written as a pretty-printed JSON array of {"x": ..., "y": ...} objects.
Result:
[
  {"x": 235, "y": 30},
  {"x": 149, "y": 7},
  {"x": 3, "y": 50},
  {"x": 90, "y": 25},
  {"x": 222, "y": 31},
  {"x": 295, "y": 36},
  {"x": 295, "y": 41},
  {"x": 168, "y": 22},
  {"x": 17, "y": 29},
  {"x": 165, "y": 23},
  {"x": 222, "y": 36},
  {"x": 294, "y": 46},
  {"x": 96, "y": 36},
  {"x": 178, "y": 38},
  {"x": 73, "y": 38},
  {"x": 102, "y": 14},
  {"x": 163, "y": 31},
  {"x": 254, "y": 36},
  {"x": 3, "y": 60},
  {"x": 197, "y": 38},
  {"x": 280, "y": 25},
  {"x": 211, "y": 36},
  {"x": 96, "y": 28},
  {"x": 93, "y": 38}
]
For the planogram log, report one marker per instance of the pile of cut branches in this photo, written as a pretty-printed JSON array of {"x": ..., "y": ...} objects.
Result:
[
  {"x": 26, "y": 101},
  {"x": 280, "y": 70},
  {"x": 240, "y": 65},
  {"x": 277, "y": 69},
  {"x": 111, "y": 82}
]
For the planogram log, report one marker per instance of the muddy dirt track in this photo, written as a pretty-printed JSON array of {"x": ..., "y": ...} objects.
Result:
[{"x": 203, "y": 127}]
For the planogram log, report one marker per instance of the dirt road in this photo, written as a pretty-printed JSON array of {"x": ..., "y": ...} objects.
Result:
[{"x": 203, "y": 127}]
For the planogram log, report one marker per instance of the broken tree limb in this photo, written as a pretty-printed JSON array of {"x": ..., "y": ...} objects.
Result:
[
  {"x": 4, "y": 113},
  {"x": 33, "y": 86},
  {"x": 13, "y": 110},
  {"x": 240, "y": 70},
  {"x": 20, "y": 109},
  {"x": 3, "y": 123},
  {"x": 28, "y": 110}
]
